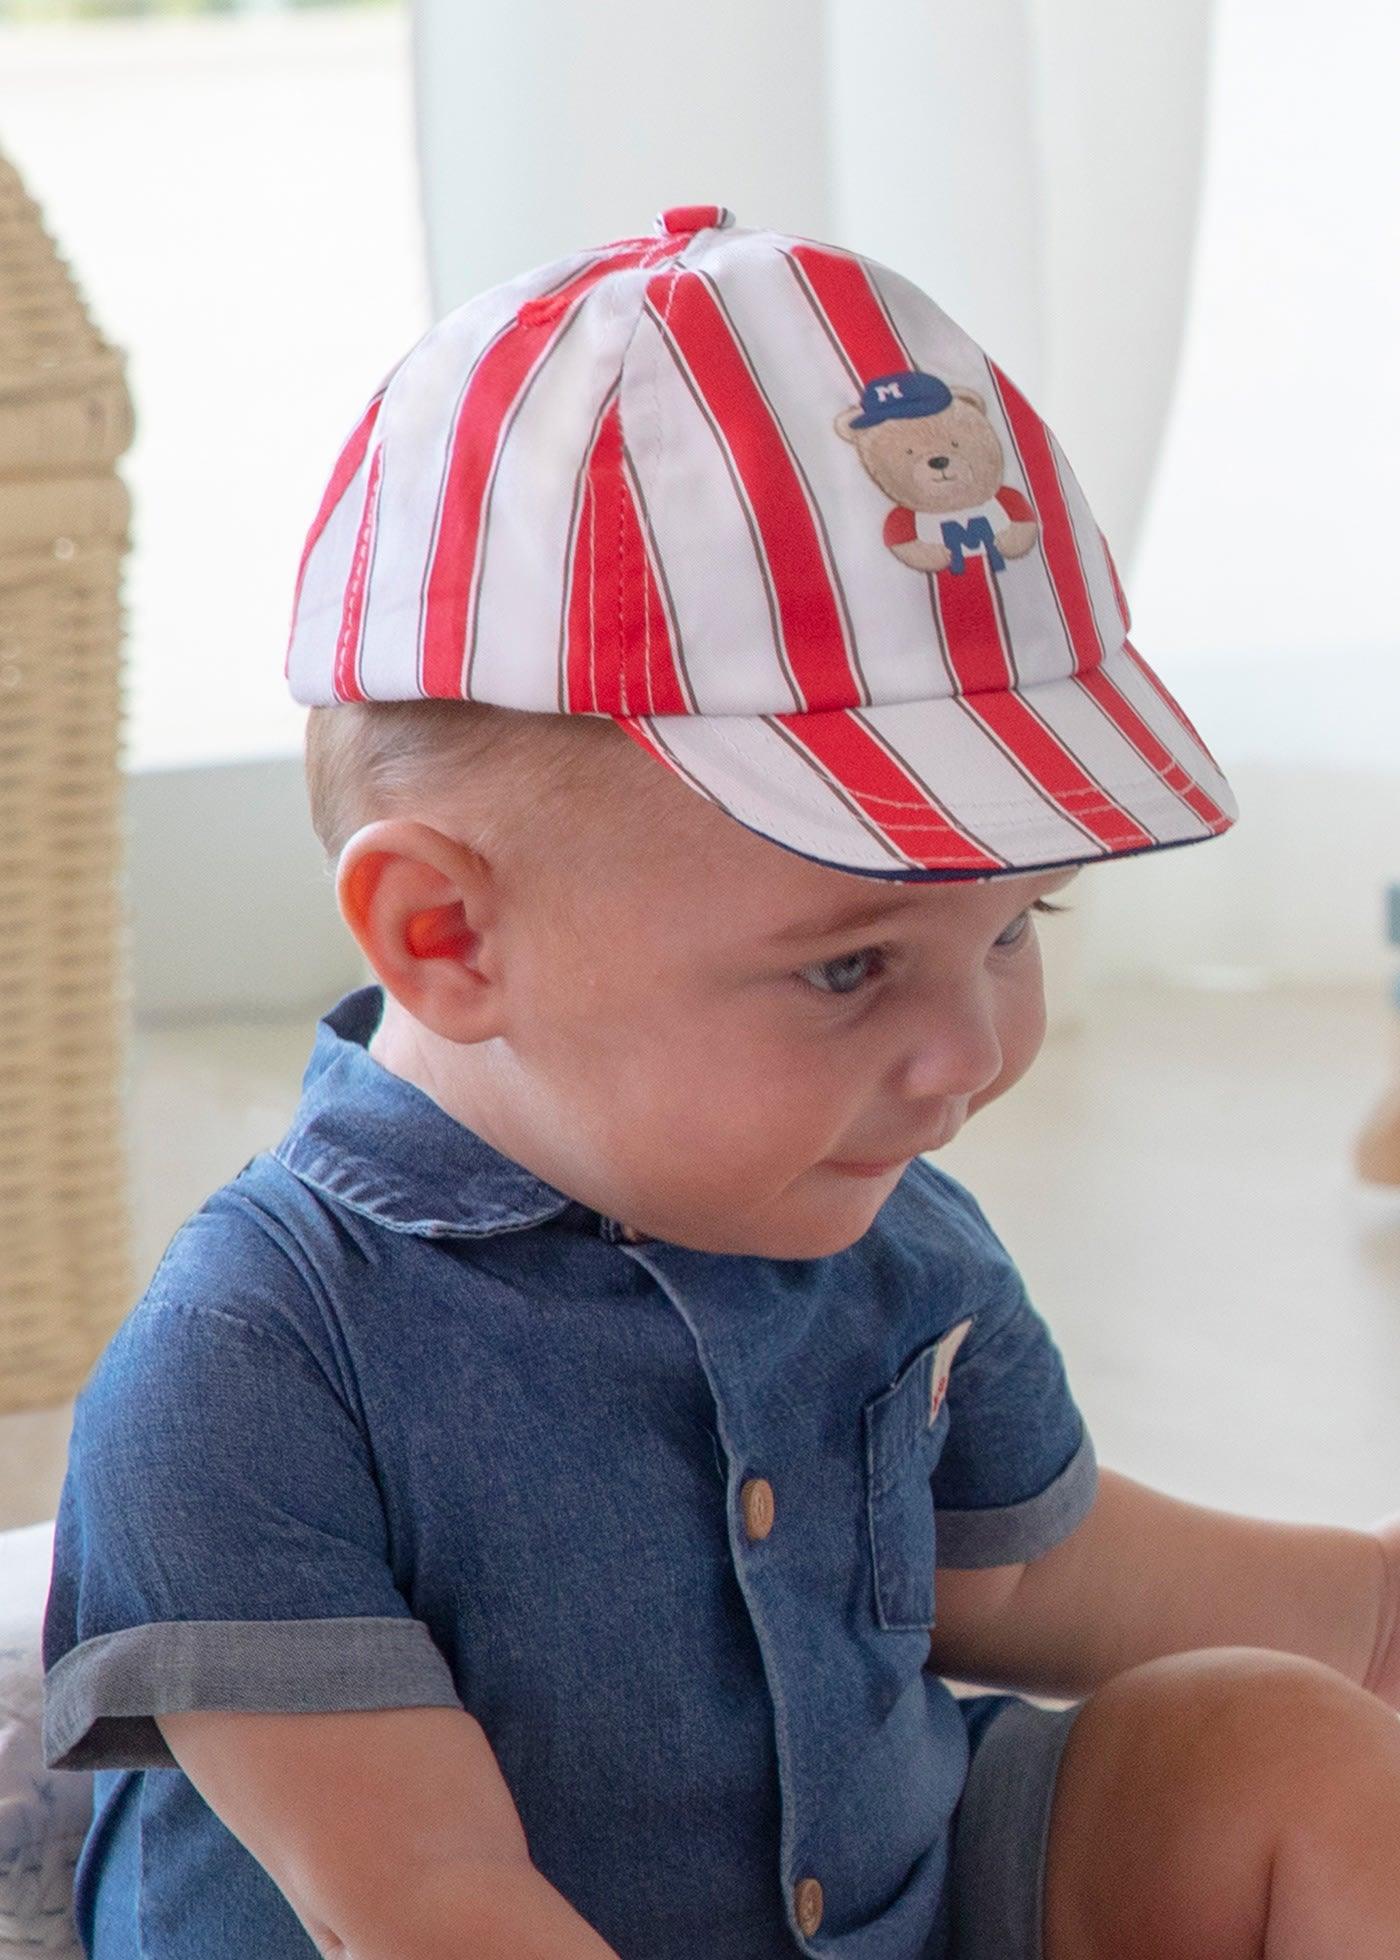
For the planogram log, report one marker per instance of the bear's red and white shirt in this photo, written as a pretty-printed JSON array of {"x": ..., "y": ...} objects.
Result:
[{"x": 1008, "y": 506}]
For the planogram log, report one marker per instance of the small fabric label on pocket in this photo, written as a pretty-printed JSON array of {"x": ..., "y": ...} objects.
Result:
[{"x": 943, "y": 1365}]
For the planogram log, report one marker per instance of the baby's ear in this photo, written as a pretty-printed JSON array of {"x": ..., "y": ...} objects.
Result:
[
  {"x": 970, "y": 395},
  {"x": 844, "y": 420}
]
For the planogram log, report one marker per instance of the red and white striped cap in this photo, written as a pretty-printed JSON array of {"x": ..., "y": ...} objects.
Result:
[{"x": 762, "y": 502}]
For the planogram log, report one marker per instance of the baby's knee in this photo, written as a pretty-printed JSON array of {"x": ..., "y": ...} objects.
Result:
[
  {"x": 1248, "y": 1721},
  {"x": 1182, "y": 1778}
]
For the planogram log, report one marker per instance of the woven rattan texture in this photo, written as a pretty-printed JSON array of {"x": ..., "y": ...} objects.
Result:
[{"x": 65, "y": 417}]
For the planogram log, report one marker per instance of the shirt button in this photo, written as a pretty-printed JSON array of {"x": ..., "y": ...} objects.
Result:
[
  {"x": 632, "y": 1236},
  {"x": 807, "y": 1902},
  {"x": 756, "y": 1496}
]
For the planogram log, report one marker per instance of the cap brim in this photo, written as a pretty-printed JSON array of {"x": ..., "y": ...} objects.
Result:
[{"x": 1102, "y": 764}]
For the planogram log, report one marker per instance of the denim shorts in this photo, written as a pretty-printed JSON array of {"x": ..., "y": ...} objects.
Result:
[{"x": 996, "y": 1874}]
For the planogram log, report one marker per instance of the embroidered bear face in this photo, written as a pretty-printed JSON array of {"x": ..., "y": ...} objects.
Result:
[{"x": 948, "y": 461}]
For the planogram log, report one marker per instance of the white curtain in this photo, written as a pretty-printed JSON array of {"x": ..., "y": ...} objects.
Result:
[{"x": 1034, "y": 164}]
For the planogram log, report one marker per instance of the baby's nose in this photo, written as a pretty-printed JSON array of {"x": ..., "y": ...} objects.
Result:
[{"x": 938, "y": 462}]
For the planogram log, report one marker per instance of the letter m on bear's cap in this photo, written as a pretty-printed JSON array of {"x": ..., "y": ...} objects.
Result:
[{"x": 911, "y": 393}]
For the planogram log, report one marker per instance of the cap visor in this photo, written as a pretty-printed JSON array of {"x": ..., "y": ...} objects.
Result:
[{"x": 1102, "y": 764}]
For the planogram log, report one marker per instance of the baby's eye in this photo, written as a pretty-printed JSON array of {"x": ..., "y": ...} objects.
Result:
[
  {"x": 842, "y": 966},
  {"x": 838, "y": 966},
  {"x": 1020, "y": 925},
  {"x": 1016, "y": 931}
]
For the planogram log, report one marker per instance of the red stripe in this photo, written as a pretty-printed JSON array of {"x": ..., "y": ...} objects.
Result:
[
  {"x": 618, "y": 653},
  {"x": 1173, "y": 706},
  {"x": 867, "y": 774},
  {"x": 812, "y": 633},
  {"x": 654, "y": 661},
  {"x": 581, "y": 599},
  {"x": 1106, "y": 692},
  {"x": 1042, "y": 752},
  {"x": 972, "y": 627},
  {"x": 346, "y": 685},
  {"x": 1058, "y": 541},
  {"x": 496, "y": 386},
  {"x": 347, "y": 463},
  {"x": 1130, "y": 723},
  {"x": 692, "y": 217},
  {"x": 842, "y": 288}
]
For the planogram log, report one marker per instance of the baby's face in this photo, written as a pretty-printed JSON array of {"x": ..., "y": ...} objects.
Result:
[{"x": 687, "y": 1043}]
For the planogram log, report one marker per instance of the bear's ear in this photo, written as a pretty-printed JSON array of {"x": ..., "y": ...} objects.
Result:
[
  {"x": 844, "y": 420},
  {"x": 970, "y": 395}
]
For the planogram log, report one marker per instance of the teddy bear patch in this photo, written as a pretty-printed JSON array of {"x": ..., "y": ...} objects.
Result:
[{"x": 935, "y": 455}]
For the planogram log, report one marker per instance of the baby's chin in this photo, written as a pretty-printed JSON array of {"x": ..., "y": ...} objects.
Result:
[{"x": 822, "y": 1212}]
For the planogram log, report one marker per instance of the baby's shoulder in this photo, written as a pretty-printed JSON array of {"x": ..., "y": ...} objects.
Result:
[{"x": 254, "y": 1258}]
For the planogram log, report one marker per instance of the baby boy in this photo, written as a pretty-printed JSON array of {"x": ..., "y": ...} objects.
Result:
[{"x": 533, "y": 1509}]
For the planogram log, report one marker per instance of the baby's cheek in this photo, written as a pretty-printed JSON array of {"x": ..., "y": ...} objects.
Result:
[
  {"x": 1021, "y": 1032},
  {"x": 1024, "y": 1045}
]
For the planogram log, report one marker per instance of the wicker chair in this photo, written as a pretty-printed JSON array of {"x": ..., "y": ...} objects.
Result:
[{"x": 65, "y": 416}]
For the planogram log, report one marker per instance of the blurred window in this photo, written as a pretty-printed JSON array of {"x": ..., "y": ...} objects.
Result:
[{"x": 235, "y": 188}]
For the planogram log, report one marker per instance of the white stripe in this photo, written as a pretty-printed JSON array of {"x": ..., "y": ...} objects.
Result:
[
  {"x": 1041, "y": 646},
  {"x": 807, "y": 383},
  {"x": 763, "y": 782},
  {"x": 1035, "y": 619},
  {"x": 702, "y": 536},
  {"x": 524, "y": 563},
  {"x": 665, "y": 654},
  {"x": 1140, "y": 694},
  {"x": 415, "y": 424},
  {"x": 1091, "y": 553},
  {"x": 311, "y": 661},
  {"x": 763, "y": 362},
  {"x": 1114, "y": 762},
  {"x": 759, "y": 778}
]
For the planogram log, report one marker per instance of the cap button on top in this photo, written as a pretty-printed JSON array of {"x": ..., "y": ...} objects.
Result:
[{"x": 678, "y": 220}]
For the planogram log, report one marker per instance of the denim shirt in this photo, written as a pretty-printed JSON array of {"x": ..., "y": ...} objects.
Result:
[{"x": 397, "y": 1423}]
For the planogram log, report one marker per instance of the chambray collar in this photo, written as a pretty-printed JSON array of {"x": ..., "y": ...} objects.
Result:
[{"x": 380, "y": 1145}]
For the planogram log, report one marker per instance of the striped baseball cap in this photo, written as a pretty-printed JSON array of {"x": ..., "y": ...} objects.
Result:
[{"x": 762, "y": 502}]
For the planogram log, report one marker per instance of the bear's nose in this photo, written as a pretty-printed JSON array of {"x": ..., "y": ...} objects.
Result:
[{"x": 938, "y": 462}]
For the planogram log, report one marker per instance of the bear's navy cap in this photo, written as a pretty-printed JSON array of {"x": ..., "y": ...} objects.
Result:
[
  {"x": 910, "y": 393},
  {"x": 702, "y": 482}
]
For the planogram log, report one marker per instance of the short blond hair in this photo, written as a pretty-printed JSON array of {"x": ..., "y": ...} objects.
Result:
[{"x": 504, "y": 775}]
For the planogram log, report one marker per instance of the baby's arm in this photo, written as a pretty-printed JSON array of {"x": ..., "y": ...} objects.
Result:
[
  {"x": 1147, "y": 1574},
  {"x": 389, "y": 1831}
]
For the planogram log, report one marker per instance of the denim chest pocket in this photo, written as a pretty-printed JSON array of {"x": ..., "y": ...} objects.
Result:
[{"x": 906, "y": 1426}]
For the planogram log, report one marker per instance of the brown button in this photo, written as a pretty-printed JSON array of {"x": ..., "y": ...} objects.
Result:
[
  {"x": 630, "y": 1234},
  {"x": 807, "y": 1900},
  {"x": 756, "y": 1496}
]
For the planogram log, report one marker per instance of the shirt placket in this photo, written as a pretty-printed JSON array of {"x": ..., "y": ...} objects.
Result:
[{"x": 755, "y": 1525}]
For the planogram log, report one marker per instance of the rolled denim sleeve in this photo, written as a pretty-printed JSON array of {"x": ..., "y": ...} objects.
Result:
[
  {"x": 1018, "y": 1471},
  {"x": 220, "y": 1542}
]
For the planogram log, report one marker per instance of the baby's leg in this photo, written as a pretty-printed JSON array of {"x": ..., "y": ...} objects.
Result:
[{"x": 1227, "y": 1804}]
